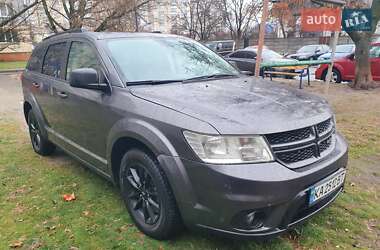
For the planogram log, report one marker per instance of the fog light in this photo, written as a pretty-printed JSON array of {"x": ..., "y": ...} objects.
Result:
[
  {"x": 253, "y": 220},
  {"x": 249, "y": 220}
]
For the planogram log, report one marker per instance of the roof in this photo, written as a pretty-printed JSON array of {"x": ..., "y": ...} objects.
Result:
[{"x": 104, "y": 35}]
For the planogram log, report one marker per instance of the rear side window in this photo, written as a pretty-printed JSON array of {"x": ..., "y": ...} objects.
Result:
[
  {"x": 81, "y": 55},
  {"x": 251, "y": 55},
  {"x": 239, "y": 54},
  {"x": 35, "y": 61},
  {"x": 54, "y": 61}
]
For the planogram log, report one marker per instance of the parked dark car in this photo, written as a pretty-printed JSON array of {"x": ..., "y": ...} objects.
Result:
[
  {"x": 188, "y": 139},
  {"x": 310, "y": 52},
  {"x": 222, "y": 47},
  {"x": 245, "y": 59},
  {"x": 344, "y": 68},
  {"x": 342, "y": 50}
]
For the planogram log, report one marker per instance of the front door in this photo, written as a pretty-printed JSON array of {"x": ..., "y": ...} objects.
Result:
[{"x": 87, "y": 120}]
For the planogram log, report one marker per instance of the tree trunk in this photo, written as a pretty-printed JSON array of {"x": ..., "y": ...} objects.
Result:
[
  {"x": 363, "y": 75},
  {"x": 282, "y": 29}
]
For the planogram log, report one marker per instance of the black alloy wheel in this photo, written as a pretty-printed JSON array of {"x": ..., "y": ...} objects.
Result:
[
  {"x": 148, "y": 196},
  {"x": 40, "y": 144},
  {"x": 143, "y": 195},
  {"x": 35, "y": 133}
]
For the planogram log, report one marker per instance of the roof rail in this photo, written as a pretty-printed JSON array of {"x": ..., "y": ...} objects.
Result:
[{"x": 79, "y": 30}]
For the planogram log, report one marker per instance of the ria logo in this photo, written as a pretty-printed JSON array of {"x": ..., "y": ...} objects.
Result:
[{"x": 357, "y": 19}]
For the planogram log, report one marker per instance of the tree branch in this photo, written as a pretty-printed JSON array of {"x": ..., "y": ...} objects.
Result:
[{"x": 5, "y": 22}]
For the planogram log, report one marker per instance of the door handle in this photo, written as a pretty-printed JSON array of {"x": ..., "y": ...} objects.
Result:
[
  {"x": 62, "y": 94},
  {"x": 36, "y": 85}
]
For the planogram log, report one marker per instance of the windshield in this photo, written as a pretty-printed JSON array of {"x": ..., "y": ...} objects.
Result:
[
  {"x": 307, "y": 49},
  {"x": 165, "y": 59},
  {"x": 344, "y": 48}
]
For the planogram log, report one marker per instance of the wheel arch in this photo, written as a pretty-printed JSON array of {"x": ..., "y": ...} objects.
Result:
[
  {"x": 29, "y": 104},
  {"x": 132, "y": 133},
  {"x": 336, "y": 67}
]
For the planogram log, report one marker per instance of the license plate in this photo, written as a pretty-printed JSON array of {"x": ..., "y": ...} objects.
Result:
[{"x": 326, "y": 187}]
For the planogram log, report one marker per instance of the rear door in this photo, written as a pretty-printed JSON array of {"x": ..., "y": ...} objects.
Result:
[
  {"x": 32, "y": 80},
  {"x": 52, "y": 76}
]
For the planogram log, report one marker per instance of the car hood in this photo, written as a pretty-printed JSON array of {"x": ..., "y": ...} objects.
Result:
[{"x": 243, "y": 105}]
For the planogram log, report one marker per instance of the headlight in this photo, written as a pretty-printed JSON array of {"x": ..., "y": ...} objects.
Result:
[{"x": 229, "y": 149}]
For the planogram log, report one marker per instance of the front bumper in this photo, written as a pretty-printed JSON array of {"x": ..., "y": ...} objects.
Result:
[{"x": 213, "y": 196}]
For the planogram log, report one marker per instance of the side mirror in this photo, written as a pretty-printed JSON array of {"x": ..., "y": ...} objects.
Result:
[
  {"x": 86, "y": 78},
  {"x": 351, "y": 57}
]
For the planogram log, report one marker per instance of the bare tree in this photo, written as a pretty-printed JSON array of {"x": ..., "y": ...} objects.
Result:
[
  {"x": 199, "y": 18},
  {"x": 97, "y": 15},
  {"x": 286, "y": 12},
  {"x": 239, "y": 15},
  {"x": 16, "y": 20},
  {"x": 362, "y": 40}
]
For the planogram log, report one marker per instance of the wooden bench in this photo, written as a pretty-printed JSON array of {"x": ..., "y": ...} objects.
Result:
[{"x": 301, "y": 74}]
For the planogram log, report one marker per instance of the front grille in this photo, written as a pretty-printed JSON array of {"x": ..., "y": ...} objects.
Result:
[
  {"x": 324, "y": 145},
  {"x": 296, "y": 155},
  {"x": 297, "y": 148},
  {"x": 324, "y": 126},
  {"x": 289, "y": 136}
]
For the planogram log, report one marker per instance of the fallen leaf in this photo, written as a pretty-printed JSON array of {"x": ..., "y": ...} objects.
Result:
[
  {"x": 35, "y": 245},
  {"x": 69, "y": 197},
  {"x": 16, "y": 244}
]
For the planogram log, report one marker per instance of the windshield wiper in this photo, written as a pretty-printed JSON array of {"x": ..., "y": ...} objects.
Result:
[
  {"x": 209, "y": 77},
  {"x": 151, "y": 82}
]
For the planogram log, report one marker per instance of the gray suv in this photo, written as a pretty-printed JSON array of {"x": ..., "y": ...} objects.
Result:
[{"x": 189, "y": 140}]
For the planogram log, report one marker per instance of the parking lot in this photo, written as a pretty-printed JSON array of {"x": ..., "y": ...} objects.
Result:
[{"x": 34, "y": 215}]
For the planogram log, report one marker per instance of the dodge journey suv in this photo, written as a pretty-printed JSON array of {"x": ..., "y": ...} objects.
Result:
[{"x": 187, "y": 138}]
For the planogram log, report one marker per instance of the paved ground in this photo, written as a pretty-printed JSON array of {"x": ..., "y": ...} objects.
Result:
[{"x": 10, "y": 96}]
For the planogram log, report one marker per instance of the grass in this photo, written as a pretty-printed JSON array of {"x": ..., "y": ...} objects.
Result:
[
  {"x": 12, "y": 65},
  {"x": 33, "y": 213}
]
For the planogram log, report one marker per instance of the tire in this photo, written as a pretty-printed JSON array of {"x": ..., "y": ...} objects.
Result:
[
  {"x": 148, "y": 196},
  {"x": 336, "y": 74},
  {"x": 40, "y": 144}
]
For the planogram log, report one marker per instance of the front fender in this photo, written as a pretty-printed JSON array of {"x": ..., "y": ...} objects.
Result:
[
  {"x": 158, "y": 143},
  {"x": 142, "y": 131}
]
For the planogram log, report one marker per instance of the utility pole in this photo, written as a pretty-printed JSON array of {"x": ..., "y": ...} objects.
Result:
[
  {"x": 333, "y": 44},
  {"x": 261, "y": 37}
]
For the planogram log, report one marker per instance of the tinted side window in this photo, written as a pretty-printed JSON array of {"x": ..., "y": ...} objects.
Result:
[
  {"x": 81, "y": 55},
  {"x": 35, "y": 61},
  {"x": 54, "y": 60},
  {"x": 238, "y": 54},
  {"x": 251, "y": 55}
]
